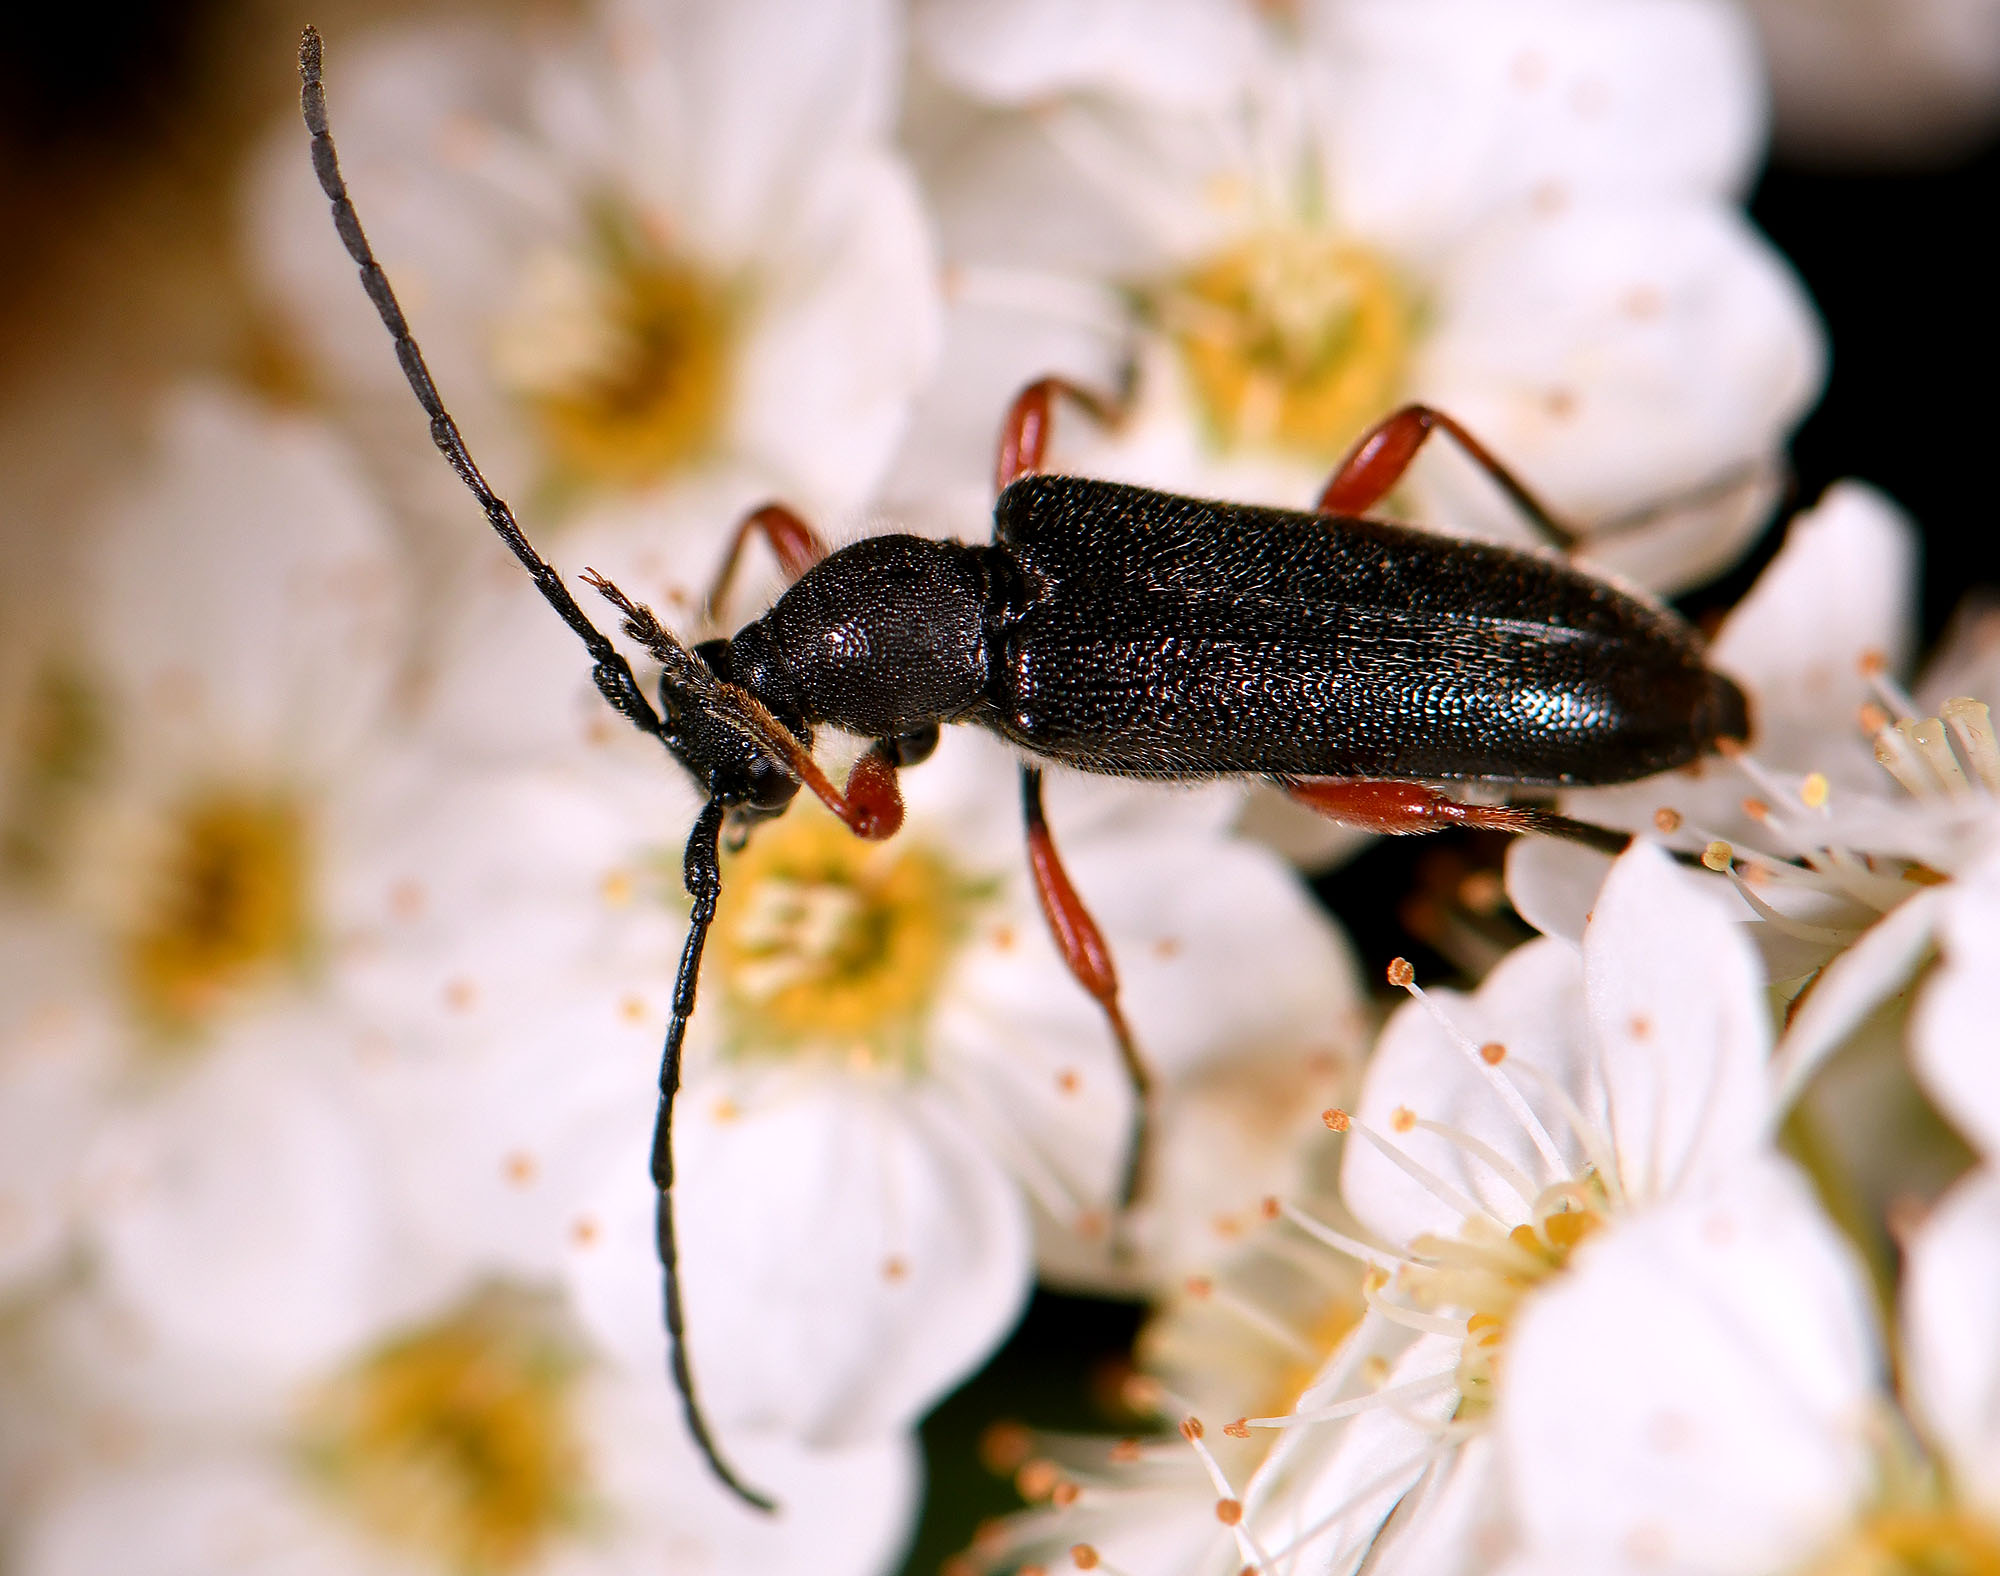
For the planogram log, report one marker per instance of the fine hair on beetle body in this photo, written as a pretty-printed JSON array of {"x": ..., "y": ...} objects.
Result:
[{"x": 1114, "y": 629}]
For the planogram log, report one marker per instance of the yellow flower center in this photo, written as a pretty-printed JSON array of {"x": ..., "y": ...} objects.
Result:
[
  {"x": 623, "y": 355},
  {"x": 456, "y": 1441},
  {"x": 1922, "y": 1542},
  {"x": 58, "y": 747},
  {"x": 825, "y": 944},
  {"x": 1292, "y": 339},
  {"x": 228, "y": 909},
  {"x": 1489, "y": 1273}
]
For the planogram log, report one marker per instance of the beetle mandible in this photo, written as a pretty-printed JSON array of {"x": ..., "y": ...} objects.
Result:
[{"x": 1119, "y": 630}]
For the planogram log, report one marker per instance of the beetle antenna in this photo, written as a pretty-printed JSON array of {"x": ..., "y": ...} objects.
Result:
[
  {"x": 702, "y": 870},
  {"x": 702, "y": 865},
  {"x": 611, "y": 671}
]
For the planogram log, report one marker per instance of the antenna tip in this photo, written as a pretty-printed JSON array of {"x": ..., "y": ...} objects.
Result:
[{"x": 309, "y": 48}]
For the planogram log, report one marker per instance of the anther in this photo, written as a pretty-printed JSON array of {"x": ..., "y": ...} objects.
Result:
[
  {"x": 1815, "y": 791},
  {"x": 1004, "y": 1447},
  {"x": 1240, "y": 1429},
  {"x": 1199, "y": 1286},
  {"x": 1666, "y": 820},
  {"x": 1271, "y": 1209},
  {"x": 1402, "y": 1119},
  {"x": 1084, "y": 1556},
  {"x": 1336, "y": 1119},
  {"x": 1063, "y": 1495},
  {"x": 1229, "y": 1511},
  {"x": 1127, "y": 1453},
  {"x": 1401, "y": 974},
  {"x": 1492, "y": 1053},
  {"x": 1757, "y": 809},
  {"x": 1191, "y": 1428},
  {"x": 1872, "y": 663},
  {"x": 1037, "y": 1479},
  {"x": 1718, "y": 856},
  {"x": 1871, "y": 718}
]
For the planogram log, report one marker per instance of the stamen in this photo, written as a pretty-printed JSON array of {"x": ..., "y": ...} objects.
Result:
[
  {"x": 1226, "y": 1496},
  {"x": 1798, "y": 929},
  {"x": 1596, "y": 1146},
  {"x": 1929, "y": 737},
  {"x": 1409, "y": 1390},
  {"x": 1410, "y": 1318},
  {"x": 1897, "y": 755},
  {"x": 1499, "y": 1164},
  {"x": 1874, "y": 668},
  {"x": 1426, "y": 1178},
  {"x": 1971, "y": 724},
  {"x": 1495, "y": 1074},
  {"x": 1340, "y": 1242}
]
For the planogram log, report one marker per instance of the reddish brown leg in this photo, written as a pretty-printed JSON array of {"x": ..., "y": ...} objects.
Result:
[
  {"x": 1084, "y": 951},
  {"x": 1385, "y": 451},
  {"x": 1024, "y": 436},
  {"x": 795, "y": 543},
  {"x": 1398, "y": 809}
]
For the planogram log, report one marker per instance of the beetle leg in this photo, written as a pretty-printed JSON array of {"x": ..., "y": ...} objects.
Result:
[
  {"x": 1024, "y": 436},
  {"x": 796, "y": 545},
  {"x": 1089, "y": 961},
  {"x": 1399, "y": 809},
  {"x": 1377, "y": 462}
]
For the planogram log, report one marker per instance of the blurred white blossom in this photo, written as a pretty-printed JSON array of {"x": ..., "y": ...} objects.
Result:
[
  {"x": 676, "y": 251},
  {"x": 1292, "y": 220},
  {"x": 483, "y": 1434},
  {"x": 1866, "y": 83}
]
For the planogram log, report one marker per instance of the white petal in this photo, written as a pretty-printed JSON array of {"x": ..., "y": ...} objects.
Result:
[
  {"x": 1881, "y": 964},
  {"x": 246, "y": 598},
  {"x": 1951, "y": 1307},
  {"x": 752, "y": 98},
  {"x": 841, "y": 1512},
  {"x": 241, "y": 1213},
  {"x": 1590, "y": 350},
  {"x": 233, "y": 1512},
  {"x": 1168, "y": 53},
  {"x": 1951, "y": 1036},
  {"x": 847, "y": 330},
  {"x": 1695, "y": 1394},
  {"x": 1554, "y": 885},
  {"x": 848, "y": 1256},
  {"x": 1681, "y": 1028},
  {"x": 1532, "y": 1004},
  {"x": 1442, "y": 111},
  {"x": 1842, "y": 587},
  {"x": 58, "y": 1041}
]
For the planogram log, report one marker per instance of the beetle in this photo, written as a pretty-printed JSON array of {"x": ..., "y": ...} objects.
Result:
[{"x": 1119, "y": 630}]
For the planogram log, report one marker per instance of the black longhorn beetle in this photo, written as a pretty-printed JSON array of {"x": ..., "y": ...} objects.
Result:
[{"x": 1114, "y": 629}]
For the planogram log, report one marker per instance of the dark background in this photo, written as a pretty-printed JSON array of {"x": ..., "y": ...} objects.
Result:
[{"x": 89, "y": 95}]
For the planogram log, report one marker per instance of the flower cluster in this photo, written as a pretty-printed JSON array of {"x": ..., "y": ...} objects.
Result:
[{"x": 339, "y": 916}]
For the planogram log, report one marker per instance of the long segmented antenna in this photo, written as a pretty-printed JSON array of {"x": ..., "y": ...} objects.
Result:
[{"x": 613, "y": 675}]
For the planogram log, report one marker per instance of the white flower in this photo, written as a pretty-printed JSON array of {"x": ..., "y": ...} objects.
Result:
[
  {"x": 1494, "y": 1138},
  {"x": 1841, "y": 826},
  {"x": 1522, "y": 214},
  {"x": 1699, "y": 1394},
  {"x": 1881, "y": 82},
  {"x": 888, "y": 1063},
  {"x": 482, "y": 1435},
  {"x": 1498, "y": 1139},
  {"x": 218, "y": 718},
  {"x": 674, "y": 251}
]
